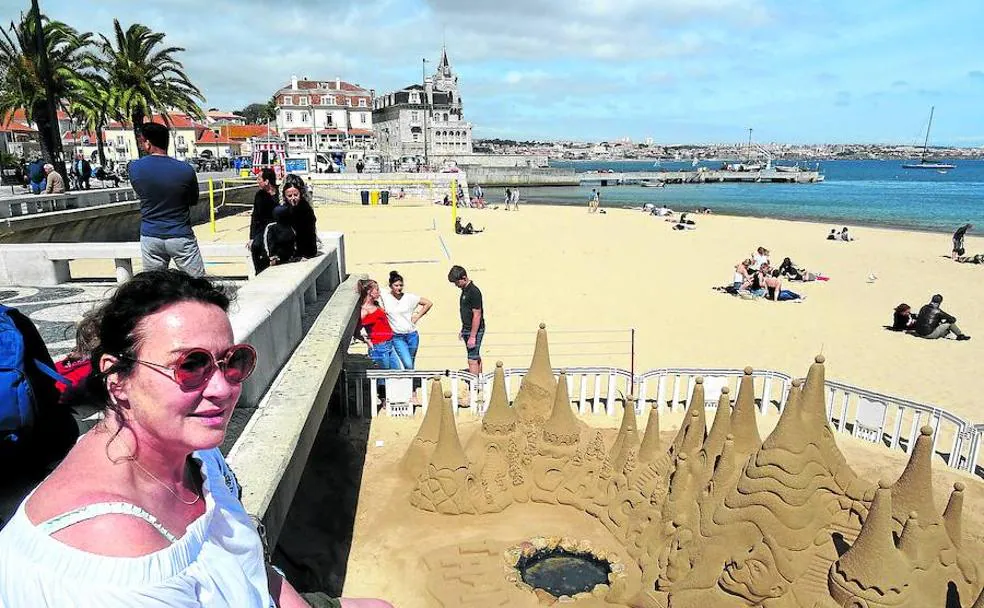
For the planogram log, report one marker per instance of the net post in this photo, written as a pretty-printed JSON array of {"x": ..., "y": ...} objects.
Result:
[{"x": 211, "y": 204}]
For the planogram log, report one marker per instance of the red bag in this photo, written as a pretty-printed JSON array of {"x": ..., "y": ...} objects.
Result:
[{"x": 76, "y": 371}]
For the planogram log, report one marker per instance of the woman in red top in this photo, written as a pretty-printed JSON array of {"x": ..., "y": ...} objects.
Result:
[{"x": 374, "y": 328}]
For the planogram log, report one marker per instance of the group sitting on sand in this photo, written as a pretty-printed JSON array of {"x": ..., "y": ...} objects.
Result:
[
  {"x": 931, "y": 323},
  {"x": 843, "y": 235},
  {"x": 755, "y": 277}
]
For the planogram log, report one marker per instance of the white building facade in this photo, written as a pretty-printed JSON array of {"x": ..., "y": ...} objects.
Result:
[
  {"x": 325, "y": 116},
  {"x": 430, "y": 114}
]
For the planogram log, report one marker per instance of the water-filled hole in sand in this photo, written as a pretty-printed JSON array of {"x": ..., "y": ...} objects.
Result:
[{"x": 561, "y": 572}]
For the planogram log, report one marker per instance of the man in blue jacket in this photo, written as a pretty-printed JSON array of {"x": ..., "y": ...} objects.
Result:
[{"x": 167, "y": 189}]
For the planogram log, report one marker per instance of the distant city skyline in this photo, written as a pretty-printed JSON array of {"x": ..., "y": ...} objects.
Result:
[{"x": 694, "y": 71}]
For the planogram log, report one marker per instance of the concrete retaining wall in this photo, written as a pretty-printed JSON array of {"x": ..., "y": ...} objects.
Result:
[
  {"x": 503, "y": 176},
  {"x": 94, "y": 215},
  {"x": 271, "y": 453}
]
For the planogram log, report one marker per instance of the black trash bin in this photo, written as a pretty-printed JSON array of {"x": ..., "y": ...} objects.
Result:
[
  {"x": 384, "y": 197},
  {"x": 365, "y": 197}
]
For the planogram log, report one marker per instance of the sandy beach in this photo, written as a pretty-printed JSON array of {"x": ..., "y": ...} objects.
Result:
[{"x": 606, "y": 274}]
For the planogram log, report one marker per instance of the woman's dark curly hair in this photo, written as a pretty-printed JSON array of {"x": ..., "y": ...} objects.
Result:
[{"x": 114, "y": 328}]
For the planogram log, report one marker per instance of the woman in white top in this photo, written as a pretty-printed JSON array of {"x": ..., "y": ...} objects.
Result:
[
  {"x": 760, "y": 258},
  {"x": 404, "y": 310},
  {"x": 144, "y": 510}
]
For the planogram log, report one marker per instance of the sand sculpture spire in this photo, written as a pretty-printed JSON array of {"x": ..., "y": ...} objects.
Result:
[
  {"x": 873, "y": 566},
  {"x": 743, "y": 424},
  {"x": 980, "y": 600},
  {"x": 914, "y": 489},
  {"x": 910, "y": 541},
  {"x": 422, "y": 447},
  {"x": 562, "y": 426},
  {"x": 537, "y": 391},
  {"x": 952, "y": 515},
  {"x": 720, "y": 429},
  {"x": 790, "y": 429},
  {"x": 448, "y": 454},
  {"x": 628, "y": 435},
  {"x": 693, "y": 418},
  {"x": 813, "y": 405},
  {"x": 500, "y": 418},
  {"x": 650, "y": 448}
]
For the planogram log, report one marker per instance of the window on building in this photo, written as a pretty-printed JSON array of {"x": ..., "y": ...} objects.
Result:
[
  {"x": 416, "y": 136},
  {"x": 414, "y": 97},
  {"x": 348, "y": 101},
  {"x": 329, "y": 120},
  {"x": 289, "y": 117},
  {"x": 120, "y": 141},
  {"x": 288, "y": 100},
  {"x": 324, "y": 100},
  {"x": 331, "y": 100},
  {"x": 304, "y": 117},
  {"x": 303, "y": 100},
  {"x": 362, "y": 102},
  {"x": 445, "y": 117},
  {"x": 181, "y": 140},
  {"x": 414, "y": 116},
  {"x": 364, "y": 118}
]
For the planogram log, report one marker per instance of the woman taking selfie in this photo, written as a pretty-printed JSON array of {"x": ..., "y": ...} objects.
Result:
[{"x": 144, "y": 510}]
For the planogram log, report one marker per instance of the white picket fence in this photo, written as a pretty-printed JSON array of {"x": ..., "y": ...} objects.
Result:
[{"x": 875, "y": 417}]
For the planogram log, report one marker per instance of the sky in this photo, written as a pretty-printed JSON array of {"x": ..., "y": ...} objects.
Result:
[{"x": 676, "y": 71}]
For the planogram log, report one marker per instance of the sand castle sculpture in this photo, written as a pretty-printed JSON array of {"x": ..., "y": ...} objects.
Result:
[{"x": 717, "y": 518}]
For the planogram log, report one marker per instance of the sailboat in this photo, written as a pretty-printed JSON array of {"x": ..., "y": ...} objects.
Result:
[{"x": 925, "y": 163}]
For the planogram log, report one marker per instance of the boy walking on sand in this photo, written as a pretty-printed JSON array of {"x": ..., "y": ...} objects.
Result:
[{"x": 472, "y": 316}]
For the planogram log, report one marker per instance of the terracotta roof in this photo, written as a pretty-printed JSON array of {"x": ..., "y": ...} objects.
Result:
[
  {"x": 14, "y": 126},
  {"x": 21, "y": 116},
  {"x": 208, "y": 137},
  {"x": 330, "y": 132},
  {"x": 73, "y": 135},
  {"x": 359, "y": 132},
  {"x": 301, "y": 131},
  {"x": 245, "y": 131},
  {"x": 177, "y": 121},
  {"x": 314, "y": 85},
  {"x": 221, "y": 114}
]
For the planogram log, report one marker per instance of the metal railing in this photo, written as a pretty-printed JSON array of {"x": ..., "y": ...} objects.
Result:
[{"x": 893, "y": 422}]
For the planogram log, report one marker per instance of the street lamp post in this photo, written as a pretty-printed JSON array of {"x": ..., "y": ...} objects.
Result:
[{"x": 423, "y": 83}]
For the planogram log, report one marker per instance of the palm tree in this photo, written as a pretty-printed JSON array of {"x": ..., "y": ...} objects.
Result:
[
  {"x": 22, "y": 85},
  {"x": 90, "y": 109},
  {"x": 144, "y": 76}
]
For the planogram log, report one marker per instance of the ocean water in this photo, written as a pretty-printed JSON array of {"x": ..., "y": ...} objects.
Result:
[{"x": 866, "y": 192}]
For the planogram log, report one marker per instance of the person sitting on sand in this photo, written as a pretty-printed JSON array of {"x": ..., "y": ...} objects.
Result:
[
  {"x": 834, "y": 235},
  {"x": 742, "y": 274},
  {"x": 755, "y": 284},
  {"x": 685, "y": 224},
  {"x": 760, "y": 258},
  {"x": 958, "y": 241},
  {"x": 776, "y": 293},
  {"x": 466, "y": 229},
  {"x": 903, "y": 319},
  {"x": 932, "y": 323},
  {"x": 845, "y": 236},
  {"x": 971, "y": 259}
]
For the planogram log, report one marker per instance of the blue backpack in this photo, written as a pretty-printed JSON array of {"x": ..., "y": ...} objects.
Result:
[{"x": 20, "y": 371}]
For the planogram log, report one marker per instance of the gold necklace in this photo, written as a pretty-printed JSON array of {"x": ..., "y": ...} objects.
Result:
[{"x": 198, "y": 496}]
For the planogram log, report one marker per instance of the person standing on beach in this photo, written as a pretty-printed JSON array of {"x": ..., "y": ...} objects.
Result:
[
  {"x": 508, "y": 198},
  {"x": 404, "y": 310},
  {"x": 515, "y": 199},
  {"x": 167, "y": 188},
  {"x": 932, "y": 323},
  {"x": 472, "y": 312},
  {"x": 593, "y": 201},
  {"x": 958, "y": 241}
]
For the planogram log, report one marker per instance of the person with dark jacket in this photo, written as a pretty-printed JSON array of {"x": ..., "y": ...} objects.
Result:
[
  {"x": 958, "y": 241},
  {"x": 933, "y": 322},
  {"x": 263, "y": 204},
  {"x": 279, "y": 240},
  {"x": 903, "y": 319},
  {"x": 302, "y": 218}
]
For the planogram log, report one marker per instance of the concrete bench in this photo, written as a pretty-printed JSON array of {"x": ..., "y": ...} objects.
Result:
[{"x": 48, "y": 263}]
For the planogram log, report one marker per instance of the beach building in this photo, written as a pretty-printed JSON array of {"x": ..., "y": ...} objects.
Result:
[
  {"x": 18, "y": 138},
  {"x": 242, "y": 137},
  {"x": 430, "y": 114},
  {"x": 330, "y": 116},
  {"x": 217, "y": 118}
]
